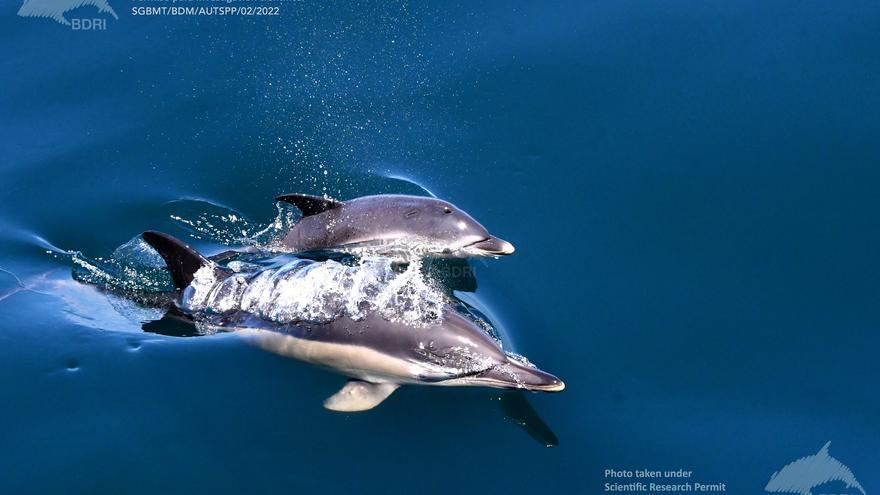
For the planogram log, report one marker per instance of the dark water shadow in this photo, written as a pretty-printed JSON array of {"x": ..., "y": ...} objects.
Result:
[{"x": 173, "y": 324}]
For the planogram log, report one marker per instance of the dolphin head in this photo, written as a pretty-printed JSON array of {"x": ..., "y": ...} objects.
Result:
[
  {"x": 449, "y": 229},
  {"x": 470, "y": 357}
]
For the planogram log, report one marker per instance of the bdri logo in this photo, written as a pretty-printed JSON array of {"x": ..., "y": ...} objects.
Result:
[
  {"x": 55, "y": 9},
  {"x": 807, "y": 473}
]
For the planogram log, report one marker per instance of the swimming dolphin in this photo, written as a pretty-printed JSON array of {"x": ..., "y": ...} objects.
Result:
[
  {"x": 806, "y": 473},
  {"x": 377, "y": 354},
  {"x": 388, "y": 223},
  {"x": 513, "y": 404}
]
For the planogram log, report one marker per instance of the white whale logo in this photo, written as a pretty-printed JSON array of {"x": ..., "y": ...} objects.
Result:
[
  {"x": 806, "y": 473},
  {"x": 55, "y": 9}
]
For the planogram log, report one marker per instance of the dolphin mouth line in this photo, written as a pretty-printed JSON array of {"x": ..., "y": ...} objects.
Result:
[
  {"x": 472, "y": 244},
  {"x": 491, "y": 246},
  {"x": 504, "y": 375}
]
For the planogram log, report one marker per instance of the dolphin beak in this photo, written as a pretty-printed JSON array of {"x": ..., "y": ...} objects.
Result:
[
  {"x": 494, "y": 246},
  {"x": 515, "y": 375}
]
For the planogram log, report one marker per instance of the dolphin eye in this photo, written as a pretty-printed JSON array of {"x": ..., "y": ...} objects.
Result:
[{"x": 447, "y": 209}]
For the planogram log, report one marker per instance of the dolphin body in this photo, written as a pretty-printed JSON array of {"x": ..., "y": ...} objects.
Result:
[
  {"x": 806, "y": 473},
  {"x": 387, "y": 224},
  {"x": 377, "y": 354}
]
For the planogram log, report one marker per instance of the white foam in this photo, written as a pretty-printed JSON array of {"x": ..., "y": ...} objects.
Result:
[
  {"x": 198, "y": 295},
  {"x": 320, "y": 292}
]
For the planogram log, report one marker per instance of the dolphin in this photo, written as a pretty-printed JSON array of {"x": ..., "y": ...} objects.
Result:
[
  {"x": 388, "y": 224},
  {"x": 806, "y": 473},
  {"x": 377, "y": 354}
]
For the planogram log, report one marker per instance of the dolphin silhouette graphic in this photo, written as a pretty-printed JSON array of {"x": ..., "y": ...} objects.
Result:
[
  {"x": 806, "y": 473},
  {"x": 55, "y": 9}
]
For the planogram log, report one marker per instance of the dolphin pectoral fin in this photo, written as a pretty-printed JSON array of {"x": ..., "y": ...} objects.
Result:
[
  {"x": 358, "y": 395},
  {"x": 516, "y": 408},
  {"x": 308, "y": 204}
]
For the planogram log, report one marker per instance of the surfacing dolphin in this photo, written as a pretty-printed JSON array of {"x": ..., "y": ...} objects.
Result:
[
  {"x": 386, "y": 223},
  {"x": 377, "y": 354}
]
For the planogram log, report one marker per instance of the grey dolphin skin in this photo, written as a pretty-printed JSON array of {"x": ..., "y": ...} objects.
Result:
[
  {"x": 377, "y": 354},
  {"x": 386, "y": 221},
  {"x": 809, "y": 472}
]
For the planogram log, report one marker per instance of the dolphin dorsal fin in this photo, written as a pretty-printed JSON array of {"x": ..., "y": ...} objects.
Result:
[
  {"x": 308, "y": 204},
  {"x": 357, "y": 396},
  {"x": 182, "y": 260},
  {"x": 824, "y": 449}
]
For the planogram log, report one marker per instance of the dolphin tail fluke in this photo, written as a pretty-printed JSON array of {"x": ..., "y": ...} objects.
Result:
[
  {"x": 357, "y": 396},
  {"x": 182, "y": 260}
]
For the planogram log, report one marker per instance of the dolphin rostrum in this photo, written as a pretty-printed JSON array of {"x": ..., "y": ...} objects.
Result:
[
  {"x": 389, "y": 223},
  {"x": 806, "y": 473},
  {"x": 378, "y": 353}
]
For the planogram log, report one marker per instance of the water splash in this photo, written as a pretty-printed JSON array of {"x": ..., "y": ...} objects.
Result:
[
  {"x": 304, "y": 290},
  {"x": 207, "y": 220},
  {"x": 458, "y": 360},
  {"x": 132, "y": 268}
]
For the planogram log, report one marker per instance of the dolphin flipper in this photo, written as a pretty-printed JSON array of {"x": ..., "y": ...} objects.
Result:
[
  {"x": 516, "y": 408},
  {"x": 358, "y": 395},
  {"x": 308, "y": 204}
]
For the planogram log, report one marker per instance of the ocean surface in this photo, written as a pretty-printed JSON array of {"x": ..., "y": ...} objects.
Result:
[{"x": 692, "y": 189}]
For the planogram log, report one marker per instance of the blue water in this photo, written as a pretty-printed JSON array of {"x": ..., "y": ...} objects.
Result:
[{"x": 691, "y": 188}]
